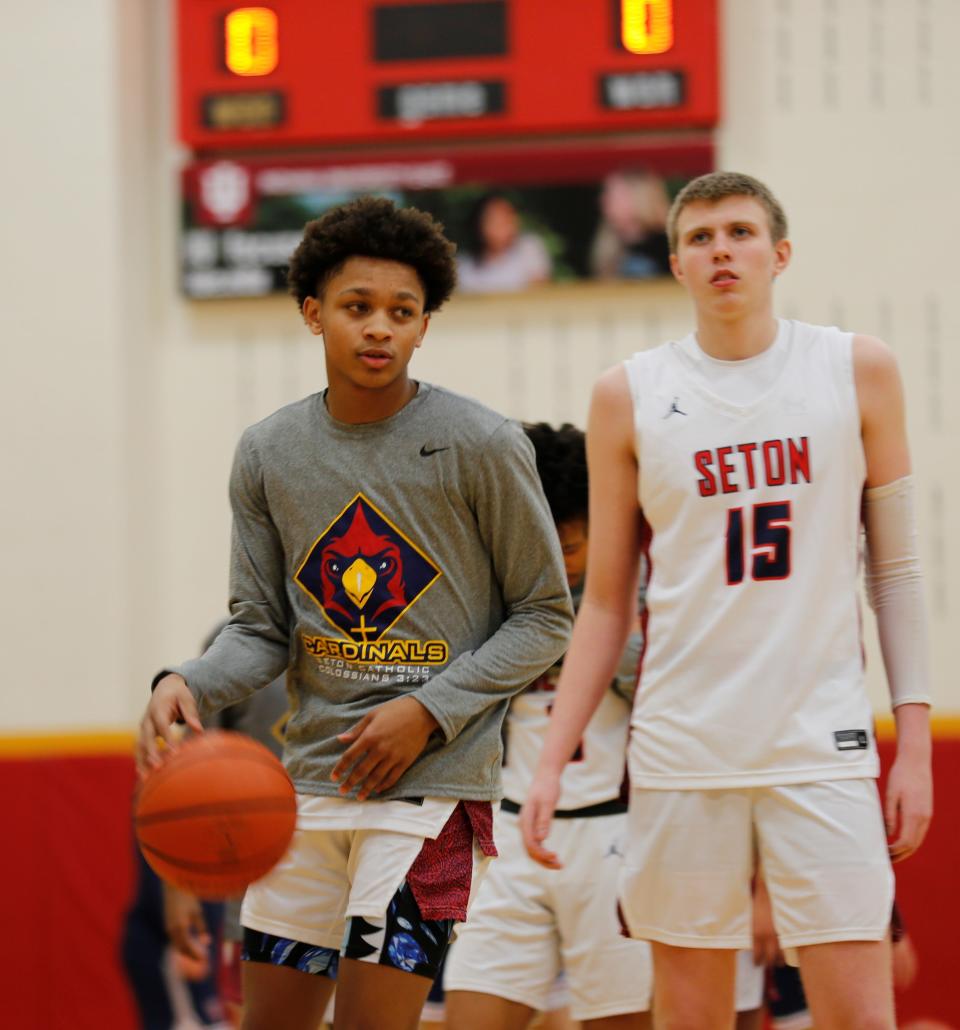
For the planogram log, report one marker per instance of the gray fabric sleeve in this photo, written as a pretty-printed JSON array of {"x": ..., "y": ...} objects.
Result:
[
  {"x": 252, "y": 649},
  {"x": 517, "y": 530}
]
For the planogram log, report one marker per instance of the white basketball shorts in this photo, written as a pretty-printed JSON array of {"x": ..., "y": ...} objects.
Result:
[
  {"x": 328, "y": 876},
  {"x": 528, "y": 922},
  {"x": 690, "y": 858}
]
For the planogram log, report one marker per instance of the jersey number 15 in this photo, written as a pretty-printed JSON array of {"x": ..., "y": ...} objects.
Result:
[{"x": 770, "y": 553}]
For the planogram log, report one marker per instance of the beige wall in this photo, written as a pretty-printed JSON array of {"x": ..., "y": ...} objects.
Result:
[
  {"x": 848, "y": 108},
  {"x": 63, "y": 498},
  {"x": 122, "y": 402}
]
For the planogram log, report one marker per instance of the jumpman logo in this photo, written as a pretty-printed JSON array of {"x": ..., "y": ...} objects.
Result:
[
  {"x": 614, "y": 850},
  {"x": 674, "y": 409}
]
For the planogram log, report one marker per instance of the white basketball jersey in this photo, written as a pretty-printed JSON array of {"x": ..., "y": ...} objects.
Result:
[
  {"x": 753, "y": 669},
  {"x": 598, "y": 767}
]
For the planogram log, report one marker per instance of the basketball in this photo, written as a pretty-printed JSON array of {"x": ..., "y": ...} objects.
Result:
[{"x": 217, "y": 815}]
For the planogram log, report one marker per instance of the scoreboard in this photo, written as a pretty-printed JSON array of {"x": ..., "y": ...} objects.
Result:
[
  {"x": 295, "y": 74},
  {"x": 290, "y": 106}
]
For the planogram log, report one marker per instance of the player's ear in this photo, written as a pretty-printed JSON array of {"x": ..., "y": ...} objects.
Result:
[
  {"x": 423, "y": 329},
  {"x": 311, "y": 315},
  {"x": 782, "y": 252},
  {"x": 675, "y": 268}
]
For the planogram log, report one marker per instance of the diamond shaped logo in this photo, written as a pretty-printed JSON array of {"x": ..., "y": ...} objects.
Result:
[{"x": 363, "y": 573}]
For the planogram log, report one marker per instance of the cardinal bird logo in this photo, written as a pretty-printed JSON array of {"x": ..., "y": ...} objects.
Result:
[{"x": 364, "y": 573}]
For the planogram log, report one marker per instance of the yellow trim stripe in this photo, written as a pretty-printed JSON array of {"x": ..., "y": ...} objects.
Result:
[
  {"x": 943, "y": 727},
  {"x": 66, "y": 744}
]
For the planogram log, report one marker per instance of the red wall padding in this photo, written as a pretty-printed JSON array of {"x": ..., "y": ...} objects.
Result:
[
  {"x": 66, "y": 875},
  {"x": 66, "y": 872},
  {"x": 928, "y": 891}
]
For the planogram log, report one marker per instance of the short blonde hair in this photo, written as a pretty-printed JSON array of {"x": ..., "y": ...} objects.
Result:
[{"x": 720, "y": 185}]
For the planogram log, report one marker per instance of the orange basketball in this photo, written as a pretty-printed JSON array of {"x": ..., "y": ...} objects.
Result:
[{"x": 217, "y": 815}]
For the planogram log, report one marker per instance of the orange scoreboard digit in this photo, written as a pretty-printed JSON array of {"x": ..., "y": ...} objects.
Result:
[{"x": 301, "y": 73}]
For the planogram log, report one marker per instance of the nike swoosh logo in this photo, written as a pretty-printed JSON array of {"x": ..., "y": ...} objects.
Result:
[{"x": 426, "y": 451}]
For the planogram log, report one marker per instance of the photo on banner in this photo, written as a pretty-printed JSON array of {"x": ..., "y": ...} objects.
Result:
[{"x": 520, "y": 216}]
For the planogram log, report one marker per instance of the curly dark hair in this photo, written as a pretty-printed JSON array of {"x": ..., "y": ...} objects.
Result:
[
  {"x": 373, "y": 227},
  {"x": 562, "y": 466}
]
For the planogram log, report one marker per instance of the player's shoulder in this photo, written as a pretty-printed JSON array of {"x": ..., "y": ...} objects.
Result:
[
  {"x": 465, "y": 420},
  {"x": 812, "y": 334},
  {"x": 875, "y": 370},
  {"x": 634, "y": 375},
  {"x": 823, "y": 349},
  {"x": 613, "y": 383},
  {"x": 610, "y": 425},
  {"x": 656, "y": 352},
  {"x": 870, "y": 354},
  {"x": 644, "y": 366},
  {"x": 289, "y": 421}
]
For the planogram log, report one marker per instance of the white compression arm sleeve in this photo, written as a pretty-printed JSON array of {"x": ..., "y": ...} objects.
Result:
[{"x": 895, "y": 589}]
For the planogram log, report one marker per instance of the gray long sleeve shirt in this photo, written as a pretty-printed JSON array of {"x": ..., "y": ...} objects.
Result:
[{"x": 415, "y": 555}]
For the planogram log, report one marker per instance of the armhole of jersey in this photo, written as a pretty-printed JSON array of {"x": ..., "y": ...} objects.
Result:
[
  {"x": 848, "y": 383},
  {"x": 845, "y": 356},
  {"x": 631, "y": 365}
]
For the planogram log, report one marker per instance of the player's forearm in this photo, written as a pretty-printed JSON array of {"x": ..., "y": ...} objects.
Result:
[
  {"x": 241, "y": 660},
  {"x": 590, "y": 664},
  {"x": 895, "y": 589},
  {"x": 530, "y": 640},
  {"x": 913, "y": 732}
]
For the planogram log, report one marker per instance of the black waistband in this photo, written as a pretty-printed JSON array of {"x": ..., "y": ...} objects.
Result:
[{"x": 615, "y": 807}]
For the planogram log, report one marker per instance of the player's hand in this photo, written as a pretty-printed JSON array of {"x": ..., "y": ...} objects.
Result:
[
  {"x": 171, "y": 700},
  {"x": 909, "y": 805},
  {"x": 383, "y": 745},
  {"x": 536, "y": 817},
  {"x": 185, "y": 925},
  {"x": 766, "y": 947}
]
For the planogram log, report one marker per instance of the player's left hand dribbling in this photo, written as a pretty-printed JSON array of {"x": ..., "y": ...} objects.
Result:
[
  {"x": 170, "y": 701},
  {"x": 383, "y": 745},
  {"x": 909, "y": 806}
]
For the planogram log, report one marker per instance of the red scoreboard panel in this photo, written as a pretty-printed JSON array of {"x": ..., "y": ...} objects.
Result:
[{"x": 302, "y": 73}]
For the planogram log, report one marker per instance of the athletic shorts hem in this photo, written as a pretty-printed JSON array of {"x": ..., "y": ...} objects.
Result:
[
  {"x": 795, "y": 1021},
  {"x": 301, "y": 934},
  {"x": 583, "y": 1013},
  {"x": 367, "y": 911},
  {"x": 507, "y": 993},
  {"x": 680, "y": 940},
  {"x": 448, "y": 793},
  {"x": 849, "y": 934}
]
